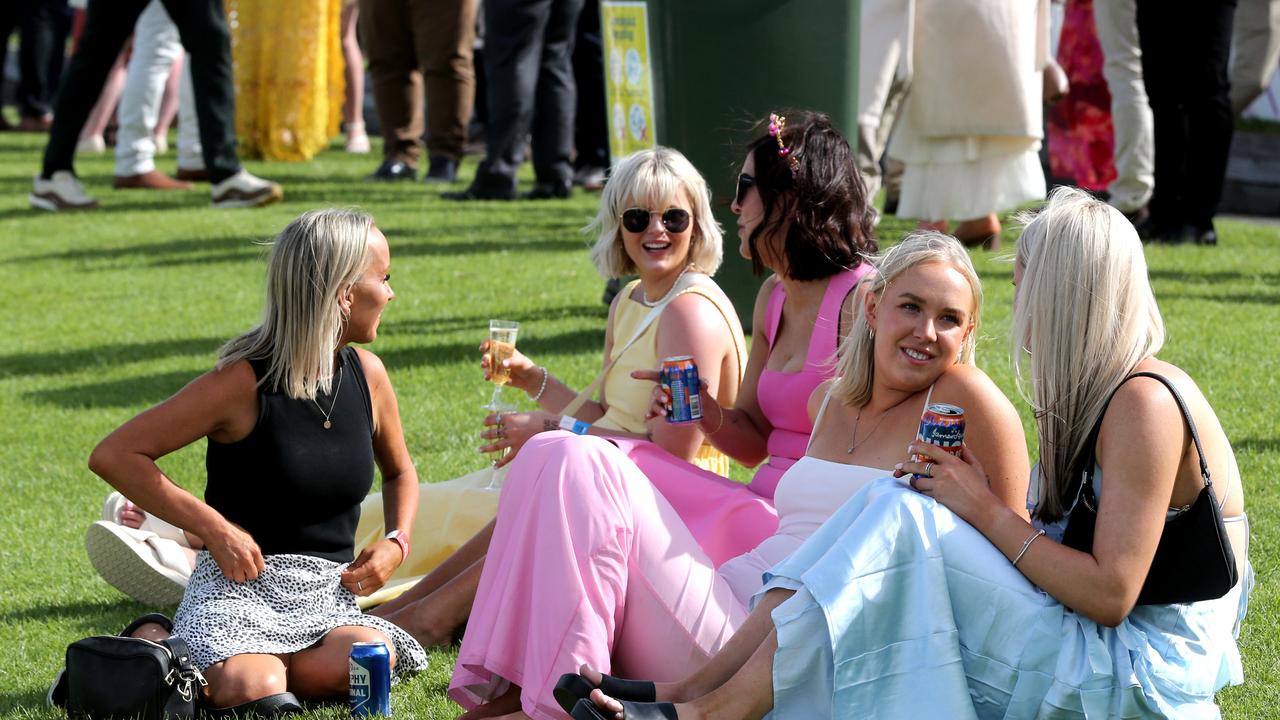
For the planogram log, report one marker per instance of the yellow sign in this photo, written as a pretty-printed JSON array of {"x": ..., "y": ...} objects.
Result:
[{"x": 628, "y": 77}]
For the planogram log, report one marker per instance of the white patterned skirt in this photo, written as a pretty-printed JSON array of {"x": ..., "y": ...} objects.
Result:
[{"x": 293, "y": 603}]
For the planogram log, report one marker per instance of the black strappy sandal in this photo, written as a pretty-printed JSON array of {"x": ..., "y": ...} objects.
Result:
[{"x": 572, "y": 687}]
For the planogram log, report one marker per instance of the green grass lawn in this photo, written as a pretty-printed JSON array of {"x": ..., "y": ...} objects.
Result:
[{"x": 106, "y": 313}]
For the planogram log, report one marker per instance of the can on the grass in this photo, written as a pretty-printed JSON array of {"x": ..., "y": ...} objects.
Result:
[
  {"x": 941, "y": 425},
  {"x": 680, "y": 380},
  {"x": 370, "y": 679}
]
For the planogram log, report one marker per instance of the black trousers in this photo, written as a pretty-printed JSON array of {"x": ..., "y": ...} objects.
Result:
[
  {"x": 591, "y": 126},
  {"x": 1185, "y": 48},
  {"x": 528, "y": 51},
  {"x": 44, "y": 37},
  {"x": 203, "y": 29}
]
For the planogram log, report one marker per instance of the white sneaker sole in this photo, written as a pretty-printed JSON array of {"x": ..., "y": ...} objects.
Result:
[
  {"x": 41, "y": 202},
  {"x": 266, "y": 197},
  {"x": 130, "y": 567}
]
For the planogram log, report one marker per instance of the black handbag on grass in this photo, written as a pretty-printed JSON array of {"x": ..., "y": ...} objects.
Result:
[
  {"x": 125, "y": 677},
  {"x": 1194, "y": 560}
]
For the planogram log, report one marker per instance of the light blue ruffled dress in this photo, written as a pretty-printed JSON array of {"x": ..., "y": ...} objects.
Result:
[{"x": 903, "y": 610}]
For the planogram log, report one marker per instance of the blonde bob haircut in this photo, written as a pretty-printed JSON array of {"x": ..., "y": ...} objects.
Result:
[
  {"x": 313, "y": 262},
  {"x": 856, "y": 363},
  {"x": 650, "y": 179},
  {"x": 1084, "y": 317}
]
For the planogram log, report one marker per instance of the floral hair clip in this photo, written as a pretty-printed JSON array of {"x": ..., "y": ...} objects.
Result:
[{"x": 777, "y": 124}]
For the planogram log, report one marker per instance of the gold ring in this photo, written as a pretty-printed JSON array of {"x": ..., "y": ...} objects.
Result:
[
  {"x": 359, "y": 585},
  {"x": 928, "y": 469}
]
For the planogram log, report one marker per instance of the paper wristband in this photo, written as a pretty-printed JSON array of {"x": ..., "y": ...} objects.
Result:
[
  {"x": 574, "y": 425},
  {"x": 399, "y": 538}
]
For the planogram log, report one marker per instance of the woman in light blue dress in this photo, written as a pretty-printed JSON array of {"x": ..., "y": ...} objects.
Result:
[{"x": 935, "y": 600}]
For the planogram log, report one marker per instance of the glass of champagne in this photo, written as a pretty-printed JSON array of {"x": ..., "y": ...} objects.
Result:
[{"x": 502, "y": 346}]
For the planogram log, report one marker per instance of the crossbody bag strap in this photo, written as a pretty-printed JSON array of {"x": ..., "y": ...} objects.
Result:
[
  {"x": 1086, "y": 481},
  {"x": 682, "y": 284}
]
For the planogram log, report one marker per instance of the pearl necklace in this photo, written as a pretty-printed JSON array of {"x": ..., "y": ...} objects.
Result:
[{"x": 644, "y": 299}]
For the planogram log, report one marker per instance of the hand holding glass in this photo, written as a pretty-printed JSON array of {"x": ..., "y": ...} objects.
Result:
[{"x": 502, "y": 346}]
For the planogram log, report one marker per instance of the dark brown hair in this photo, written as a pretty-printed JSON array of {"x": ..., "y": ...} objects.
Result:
[{"x": 831, "y": 224}]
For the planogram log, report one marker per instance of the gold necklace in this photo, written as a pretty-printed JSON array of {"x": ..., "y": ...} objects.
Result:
[
  {"x": 332, "y": 405},
  {"x": 857, "y": 420}
]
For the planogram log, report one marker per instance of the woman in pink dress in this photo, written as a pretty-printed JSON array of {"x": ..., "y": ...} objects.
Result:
[
  {"x": 803, "y": 214},
  {"x": 803, "y": 315}
]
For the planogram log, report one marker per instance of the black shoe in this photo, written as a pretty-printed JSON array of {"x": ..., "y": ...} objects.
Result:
[
  {"x": 393, "y": 171},
  {"x": 890, "y": 204},
  {"x": 271, "y": 706},
  {"x": 549, "y": 191},
  {"x": 479, "y": 191},
  {"x": 442, "y": 170},
  {"x": 1181, "y": 235}
]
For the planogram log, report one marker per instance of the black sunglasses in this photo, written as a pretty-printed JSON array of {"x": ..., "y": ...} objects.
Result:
[
  {"x": 636, "y": 220},
  {"x": 745, "y": 183}
]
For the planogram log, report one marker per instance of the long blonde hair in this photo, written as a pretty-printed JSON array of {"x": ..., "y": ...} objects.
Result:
[
  {"x": 856, "y": 364},
  {"x": 648, "y": 179},
  {"x": 313, "y": 261},
  {"x": 1084, "y": 317}
]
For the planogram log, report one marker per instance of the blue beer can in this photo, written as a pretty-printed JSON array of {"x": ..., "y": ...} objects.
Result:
[
  {"x": 680, "y": 380},
  {"x": 370, "y": 679}
]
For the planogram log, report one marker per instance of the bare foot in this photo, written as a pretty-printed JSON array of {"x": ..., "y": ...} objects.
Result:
[
  {"x": 420, "y": 621},
  {"x": 663, "y": 691},
  {"x": 505, "y": 705}
]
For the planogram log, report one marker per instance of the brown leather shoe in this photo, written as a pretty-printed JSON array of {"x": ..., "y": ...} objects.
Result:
[
  {"x": 193, "y": 174},
  {"x": 152, "y": 180}
]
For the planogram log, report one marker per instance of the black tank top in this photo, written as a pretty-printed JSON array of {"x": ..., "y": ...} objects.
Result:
[{"x": 291, "y": 484}]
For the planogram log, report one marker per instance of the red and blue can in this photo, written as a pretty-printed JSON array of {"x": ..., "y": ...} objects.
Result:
[
  {"x": 370, "y": 679},
  {"x": 680, "y": 380},
  {"x": 941, "y": 425}
]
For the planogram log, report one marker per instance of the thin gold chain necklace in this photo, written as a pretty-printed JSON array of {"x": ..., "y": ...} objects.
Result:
[{"x": 334, "y": 403}]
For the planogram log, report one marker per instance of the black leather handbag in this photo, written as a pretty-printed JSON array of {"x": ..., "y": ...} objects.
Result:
[
  {"x": 125, "y": 677},
  {"x": 1194, "y": 560}
]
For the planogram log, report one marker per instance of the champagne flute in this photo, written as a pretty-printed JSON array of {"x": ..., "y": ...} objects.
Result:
[{"x": 502, "y": 346}]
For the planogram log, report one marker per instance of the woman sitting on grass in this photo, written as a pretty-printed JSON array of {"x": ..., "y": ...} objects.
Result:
[
  {"x": 295, "y": 420},
  {"x": 943, "y": 602},
  {"x": 655, "y": 222},
  {"x": 589, "y": 565}
]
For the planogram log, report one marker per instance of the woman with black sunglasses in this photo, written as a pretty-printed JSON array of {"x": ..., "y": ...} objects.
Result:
[
  {"x": 654, "y": 222},
  {"x": 614, "y": 553}
]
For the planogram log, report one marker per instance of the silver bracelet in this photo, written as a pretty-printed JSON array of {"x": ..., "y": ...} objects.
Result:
[
  {"x": 1026, "y": 545},
  {"x": 542, "y": 388}
]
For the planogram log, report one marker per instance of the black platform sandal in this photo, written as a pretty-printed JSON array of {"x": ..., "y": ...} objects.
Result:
[
  {"x": 572, "y": 687},
  {"x": 587, "y": 710},
  {"x": 277, "y": 705}
]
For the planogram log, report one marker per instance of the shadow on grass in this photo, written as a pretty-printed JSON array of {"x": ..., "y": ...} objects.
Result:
[
  {"x": 68, "y": 361},
  {"x": 1199, "y": 277},
  {"x": 173, "y": 252},
  {"x": 478, "y": 322},
  {"x": 144, "y": 390},
  {"x": 1262, "y": 446},
  {"x": 1269, "y": 299},
  {"x": 570, "y": 343}
]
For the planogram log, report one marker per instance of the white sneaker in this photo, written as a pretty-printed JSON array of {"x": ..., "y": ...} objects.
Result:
[
  {"x": 61, "y": 192},
  {"x": 147, "y": 568},
  {"x": 245, "y": 190}
]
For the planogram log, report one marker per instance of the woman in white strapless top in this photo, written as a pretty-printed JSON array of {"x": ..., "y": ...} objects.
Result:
[{"x": 911, "y": 344}]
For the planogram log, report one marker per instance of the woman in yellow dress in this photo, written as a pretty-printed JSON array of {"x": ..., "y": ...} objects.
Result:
[{"x": 288, "y": 63}]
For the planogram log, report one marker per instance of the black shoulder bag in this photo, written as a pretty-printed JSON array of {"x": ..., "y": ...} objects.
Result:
[
  {"x": 1193, "y": 560},
  {"x": 126, "y": 677}
]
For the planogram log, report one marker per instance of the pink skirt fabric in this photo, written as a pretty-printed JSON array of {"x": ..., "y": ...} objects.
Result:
[
  {"x": 589, "y": 563},
  {"x": 725, "y": 517}
]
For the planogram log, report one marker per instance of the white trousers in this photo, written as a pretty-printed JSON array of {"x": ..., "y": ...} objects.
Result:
[
  {"x": 156, "y": 46},
  {"x": 1135, "y": 150}
]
